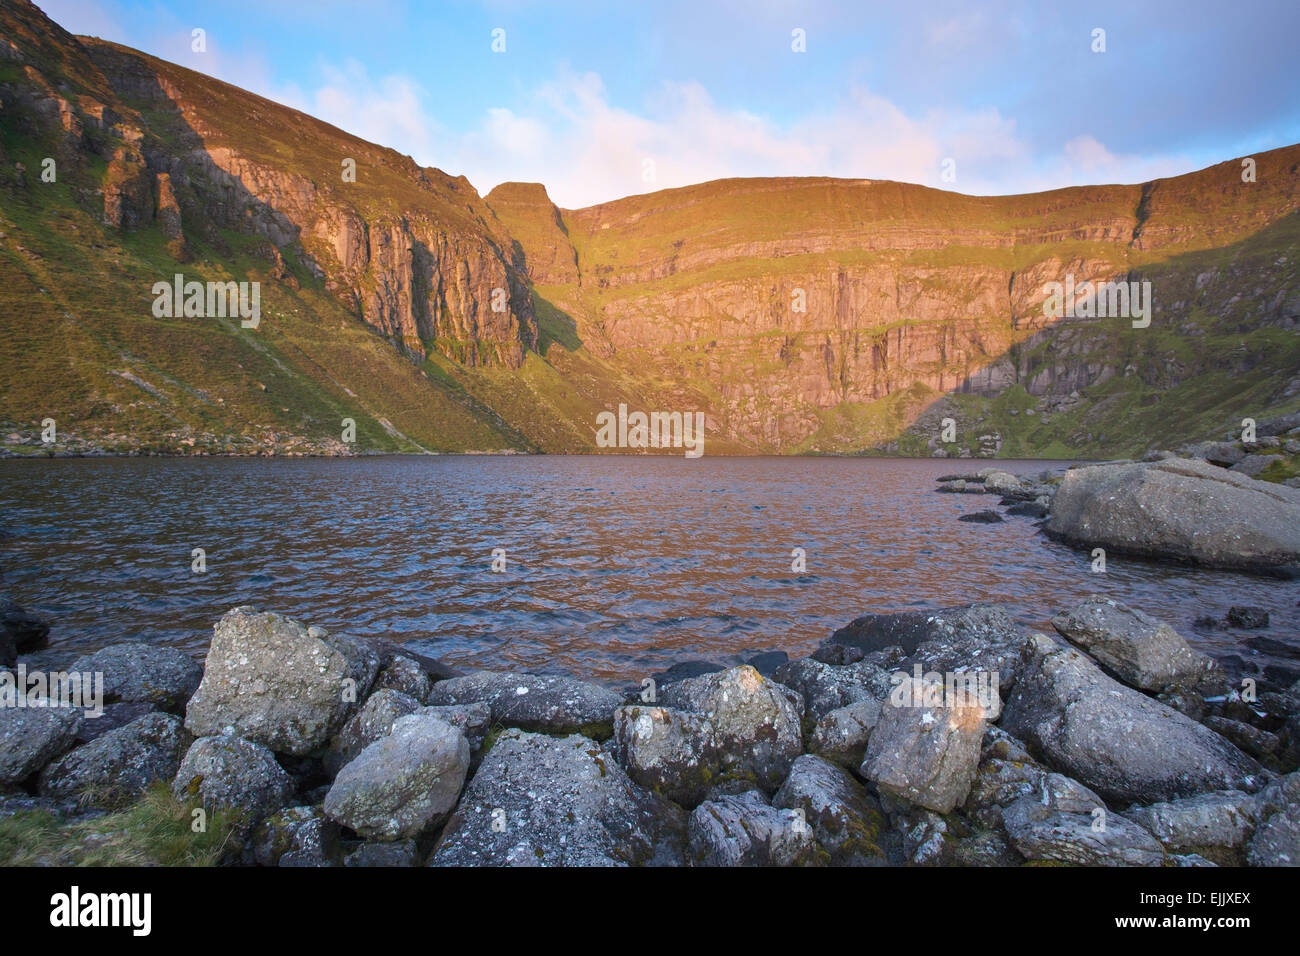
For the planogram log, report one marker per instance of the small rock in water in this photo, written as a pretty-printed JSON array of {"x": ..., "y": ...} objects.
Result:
[
  {"x": 1251, "y": 617},
  {"x": 982, "y": 517}
]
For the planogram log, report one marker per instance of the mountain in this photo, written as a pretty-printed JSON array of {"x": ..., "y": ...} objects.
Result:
[{"x": 799, "y": 314}]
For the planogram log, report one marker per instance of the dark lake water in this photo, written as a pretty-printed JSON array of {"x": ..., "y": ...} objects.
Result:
[{"x": 616, "y": 566}]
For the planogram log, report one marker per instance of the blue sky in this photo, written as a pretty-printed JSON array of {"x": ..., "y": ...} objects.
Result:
[{"x": 601, "y": 100}]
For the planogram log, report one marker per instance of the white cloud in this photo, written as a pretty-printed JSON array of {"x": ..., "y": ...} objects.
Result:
[{"x": 569, "y": 136}]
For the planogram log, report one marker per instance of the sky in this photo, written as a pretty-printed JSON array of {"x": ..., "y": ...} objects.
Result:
[{"x": 599, "y": 100}]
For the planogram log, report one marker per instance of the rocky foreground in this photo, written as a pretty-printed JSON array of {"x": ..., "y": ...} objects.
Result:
[{"x": 1113, "y": 744}]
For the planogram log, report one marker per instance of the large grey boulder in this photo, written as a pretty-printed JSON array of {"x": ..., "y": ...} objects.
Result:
[
  {"x": 30, "y": 737},
  {"x": 552, "y": 704},
  {"x": 273, "y": 681},
  {"x": 374, "y": 720},
  {"x": 545, "y": 801},
  {"x": 846, "y": 820},
  {"x": 758, "y": 722},
  {"x": 136, "y": 672},
  {"x": 404, "y": 674},
  {"x": 1180, "y": 508},
  {"x": 1216, "y": 826},
  {"x": 236, "y": 775},
  {"x": 843, "y": 734},
  {"x": 1121, "y": 743},
  {"x": 744, "y": 830},
  {"x": 119, "y": 764},
  {"x": 670, "y": 752},
  {"x": 1137, "y": 648},
  {"x": 924, "y": 755},
  {"x": 404, "y": 783},
  {"x": 1042, "y": 832}
]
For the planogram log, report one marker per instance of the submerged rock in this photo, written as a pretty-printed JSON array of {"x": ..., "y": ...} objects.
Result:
[
  {"x": 1138, "y": 649},
  {"x": 552, "y": 704},
  {"x": 273, "y": 681},
  {"x": 542, "y": 801},
  {"x": 1180, "y": 508},
  {"x": 21, "y": 631},
  {"x": 1121, "y": 743}
]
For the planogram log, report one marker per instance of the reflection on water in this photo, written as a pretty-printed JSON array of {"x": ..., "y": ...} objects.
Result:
[{"x": 616, "y": 566}]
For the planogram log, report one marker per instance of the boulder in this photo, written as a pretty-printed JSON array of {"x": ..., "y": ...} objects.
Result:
[
  {"x": 1216, "y": 826},
  {"x": 842, "y": 735},
  {"x": 1180, "y": 508},
  {"x": 547, "y": 801},
  {"x": 1042, "y": 832},
  {"x": 551, "y": 704},
  {"x": 400, "y": 853},
  {"x": 234, "y": 774},
  {"x": 972, "y": 638},
  {"x": 1277, "y": 836},
  {"x": 273, "y": 681},
  {"x": 30, "y": 737},
  {"x": 405, "y": 674},
  {"x": 136, "y": 672},
  {"x": 758, "y": 722},
  {"x": 924, "y": 755},
  {"x": 845, "y": 820},
  {"x": 670, "y": 752},
  {"x": 374, "y": 720},
  {"x": 743, "y": 830},
  {"x": 20, "y": 629},
  {"x": 1121, "y": 743},
  {"x": 404, "y": 783},
  {"x": 111, "y": 717},
  {"x": 118, "y": 765},
  {"x": 826, "y": 687},
  {"x": 473, "y": 720},
  {"x": 982, "y": 517},
  {"x": 1138, "y": 649},
  {"x": 296, "y": 837}
]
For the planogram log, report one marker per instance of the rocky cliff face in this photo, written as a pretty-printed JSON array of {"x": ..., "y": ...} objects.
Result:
[
  {"x": 798, "y": 297},
  {"x": 413, "y": 252}
]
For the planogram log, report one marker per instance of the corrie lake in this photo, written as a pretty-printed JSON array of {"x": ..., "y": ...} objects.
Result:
[{"x": 615, "y": 566}]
